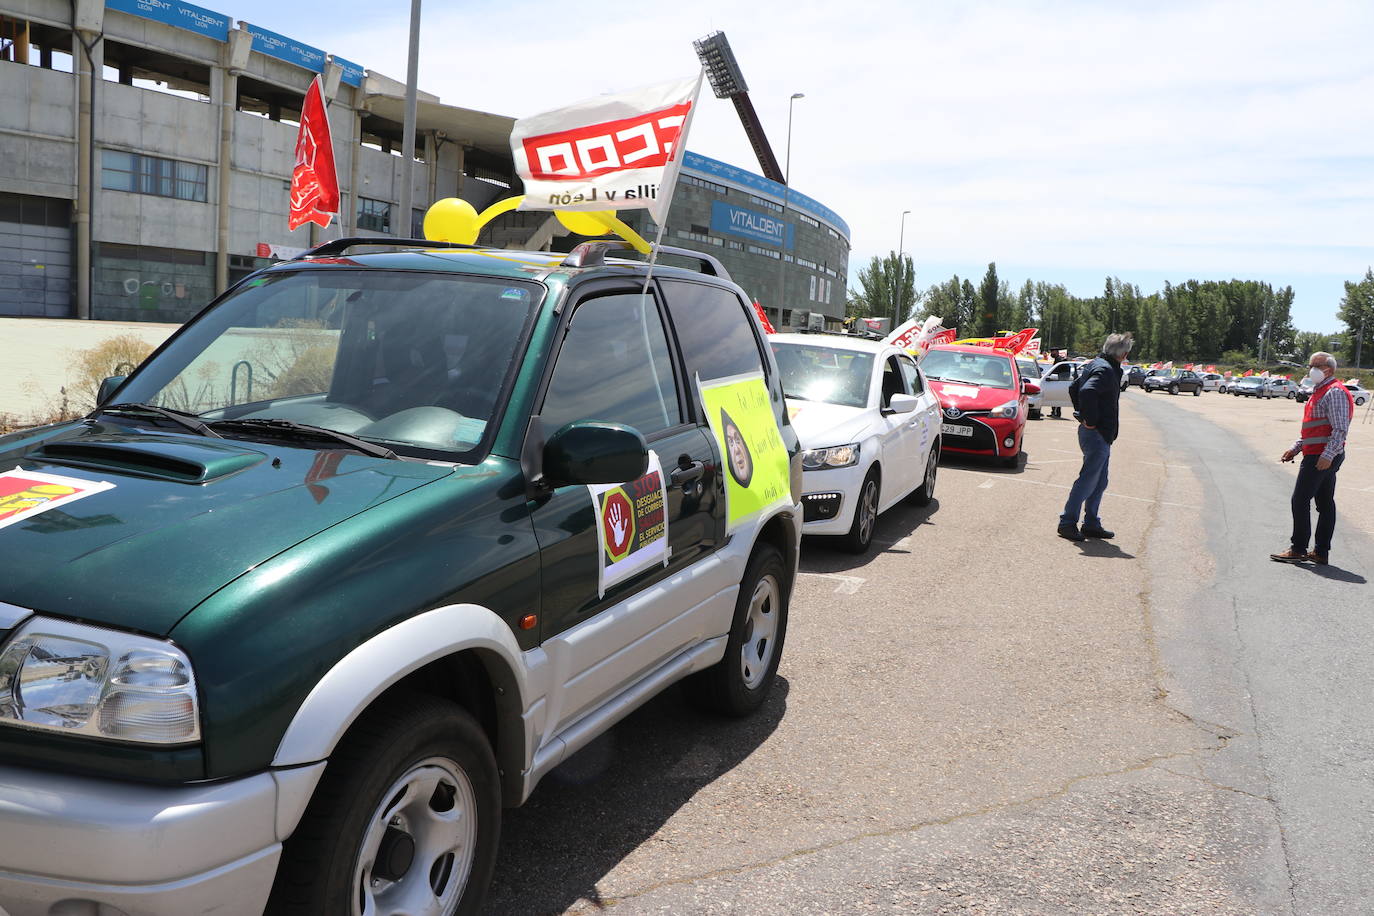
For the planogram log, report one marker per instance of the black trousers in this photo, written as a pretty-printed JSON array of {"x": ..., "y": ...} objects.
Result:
[{"x": 1316, "y": 485}]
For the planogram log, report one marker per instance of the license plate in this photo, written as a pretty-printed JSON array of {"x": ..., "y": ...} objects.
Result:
[{"x": 951, "y": 429}]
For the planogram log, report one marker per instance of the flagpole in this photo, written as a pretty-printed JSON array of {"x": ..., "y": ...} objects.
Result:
[{"x": 679, "y": 154}]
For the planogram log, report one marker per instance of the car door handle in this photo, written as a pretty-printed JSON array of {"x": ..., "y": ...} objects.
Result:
[{"x": 687, "y": 472}]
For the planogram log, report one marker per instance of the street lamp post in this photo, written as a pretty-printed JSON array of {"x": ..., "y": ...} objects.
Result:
[
  {"x": 786, "y": 185},
  {"x": 901, "y": 252}
]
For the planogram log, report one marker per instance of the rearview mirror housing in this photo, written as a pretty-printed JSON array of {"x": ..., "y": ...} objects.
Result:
[{"x": 593, "y": 452}]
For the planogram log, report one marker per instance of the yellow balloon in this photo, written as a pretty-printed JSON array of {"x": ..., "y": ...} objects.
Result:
[
  {"x": 451, "y": 220},
  {"x": 586, "y": 222}
]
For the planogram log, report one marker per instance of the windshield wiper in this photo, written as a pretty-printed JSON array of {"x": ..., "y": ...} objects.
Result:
[
  {"x": 186, "y": 420},
  {"x": 304, "y": 430}
]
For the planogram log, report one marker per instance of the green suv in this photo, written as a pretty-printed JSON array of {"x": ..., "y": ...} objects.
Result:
[{"x": 362, "y": 553}]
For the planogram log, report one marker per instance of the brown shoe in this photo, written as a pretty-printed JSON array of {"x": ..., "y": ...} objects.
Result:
[
  {"x": 1290, "y": 556},
  {"x": 1314, "y": 557}
]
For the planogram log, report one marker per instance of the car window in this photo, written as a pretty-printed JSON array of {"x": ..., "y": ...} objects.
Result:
[
  {"x": 1059, "y": 373},
  {"x": 1029, "y": 368},
  {"x": 912, "y": 375},
  {"x": 715, "y": 330},
  {"x": 824, "y": 374},
  {"x": 614, "y": 366},
  {"x": 893, "y": 382}
]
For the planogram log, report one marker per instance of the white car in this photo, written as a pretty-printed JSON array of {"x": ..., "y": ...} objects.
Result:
[
  {"x": 1030, "y": 369},
  {"x": 869, "y": 427},
  {"x": 1211, "y": 381},
  {"x": 1361, "y": 395},
  {"x": 1054, "y": 385}
]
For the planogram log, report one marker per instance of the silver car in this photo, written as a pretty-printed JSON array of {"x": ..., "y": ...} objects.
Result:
[{"x": 1030, "y": 369}]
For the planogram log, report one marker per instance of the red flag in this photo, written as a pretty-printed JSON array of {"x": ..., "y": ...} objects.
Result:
[
  {"x": 943, "y": 337},
  {"x": 763, "y": 319},
  {"x": 1014, "y": 342},
  {"x": 314, "y": 185}
]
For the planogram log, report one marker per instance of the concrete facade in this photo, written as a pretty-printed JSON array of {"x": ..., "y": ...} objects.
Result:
[{"x": 219, "y": 117}]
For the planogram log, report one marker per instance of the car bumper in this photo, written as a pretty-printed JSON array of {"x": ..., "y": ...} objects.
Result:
[
  {"x": 989, "y": 435},
  {"x": 75, "y": 844},
  {"x": 833, "y": 486}
]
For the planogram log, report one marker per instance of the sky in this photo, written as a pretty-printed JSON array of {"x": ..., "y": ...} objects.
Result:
[{"x": 1065, "y": 141}]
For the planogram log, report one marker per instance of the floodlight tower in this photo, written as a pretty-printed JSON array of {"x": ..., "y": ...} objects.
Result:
[{"x": 727, "y": 82}]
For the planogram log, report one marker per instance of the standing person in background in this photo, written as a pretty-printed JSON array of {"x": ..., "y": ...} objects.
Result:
[
  {"x": 1096, "y": 394},
  {"x": 1325, "y": 422}
]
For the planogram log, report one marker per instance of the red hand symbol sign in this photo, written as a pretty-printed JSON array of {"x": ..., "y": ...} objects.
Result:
[{"x": 616, "y": 516}]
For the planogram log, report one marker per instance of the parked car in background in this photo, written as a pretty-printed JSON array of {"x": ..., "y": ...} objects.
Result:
[
  {"x": 1282, "y": 388},
  {"x": 1211, "y": 381},
  {"x": 1249, "y": 386},
  {"x": 1030, "y": 369},
  {"x": 1174, "y": 381},
  {"x": 869, "y": 429},
  {"x": 1304, "y": 390},
  {"x": 984, "y": 399},
  {"x": 1361, "y": 395},
  {"x": 1054, "y": 385},
  {"x": 1135, "y": 375}
]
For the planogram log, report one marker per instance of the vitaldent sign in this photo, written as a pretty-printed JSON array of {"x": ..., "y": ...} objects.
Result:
[
  {"x": 182, "y": 15},
  {"x": 750, "y": 224}
]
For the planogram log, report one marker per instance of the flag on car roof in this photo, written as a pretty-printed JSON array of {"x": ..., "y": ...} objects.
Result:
[
  {"x": 314, "y": 183},
  {"x": 613, "y": 152}
]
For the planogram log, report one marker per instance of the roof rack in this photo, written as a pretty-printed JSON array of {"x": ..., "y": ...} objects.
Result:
[
  {"x": 593, "y": 254},
  {"x": 338, "y": 246}
]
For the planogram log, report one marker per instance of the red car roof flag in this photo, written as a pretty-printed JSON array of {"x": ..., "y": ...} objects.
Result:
[{"x": 314, "y": 183}]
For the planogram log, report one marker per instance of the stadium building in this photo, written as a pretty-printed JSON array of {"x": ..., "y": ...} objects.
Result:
[{"x": 140, "y": 194}]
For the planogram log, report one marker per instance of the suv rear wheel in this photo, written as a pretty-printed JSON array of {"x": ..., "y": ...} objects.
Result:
[
  {"x": 405, "y": 820},
  {"x": 738, "y": 683}
]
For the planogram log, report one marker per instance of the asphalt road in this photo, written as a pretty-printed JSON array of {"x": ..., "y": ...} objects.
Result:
[{"x": 981, "y": 717}]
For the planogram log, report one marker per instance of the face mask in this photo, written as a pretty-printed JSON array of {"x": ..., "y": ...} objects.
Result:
[{"x": 1316, "y": 375}]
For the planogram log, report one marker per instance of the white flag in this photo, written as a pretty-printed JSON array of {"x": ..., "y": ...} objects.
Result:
[{"x": 613, "y": 152}]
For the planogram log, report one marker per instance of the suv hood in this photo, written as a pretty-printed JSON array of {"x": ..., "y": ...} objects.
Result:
[
  {"x": 970, "y": 397},
  {"x": 184, "y": 516}
]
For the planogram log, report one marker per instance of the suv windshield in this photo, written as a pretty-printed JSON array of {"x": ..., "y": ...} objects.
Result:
[
  {"x": 406, "y": 358},
  {"x": 824, "y": 374},
  {"x": 987, "y": 370}
]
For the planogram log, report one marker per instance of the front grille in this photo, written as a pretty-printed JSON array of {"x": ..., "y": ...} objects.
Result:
[{"x": 982, "y": 440}]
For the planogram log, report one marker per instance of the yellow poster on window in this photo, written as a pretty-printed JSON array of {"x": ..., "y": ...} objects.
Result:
[{"x": 752, "y": 451}]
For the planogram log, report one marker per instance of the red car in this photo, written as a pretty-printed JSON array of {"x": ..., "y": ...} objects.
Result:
[{"x": 983, "y": 399}]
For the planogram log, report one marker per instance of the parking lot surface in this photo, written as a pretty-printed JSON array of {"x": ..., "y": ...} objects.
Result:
[{"x": 981, "y": 717}]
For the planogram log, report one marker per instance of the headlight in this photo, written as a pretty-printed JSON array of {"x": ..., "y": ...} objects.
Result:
[
  {"x": 1008, "y": 409},
  {"x": 80, "y": 680},
  {"x": 839, "y": 456}
]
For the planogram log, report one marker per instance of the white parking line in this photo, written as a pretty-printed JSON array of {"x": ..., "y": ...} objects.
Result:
[
  {"x": 848, "y": 584},
  {"x": 1060, "y": 486},
  {"x": 899, "y": 544},
  {"x": 985, "y": 485}
]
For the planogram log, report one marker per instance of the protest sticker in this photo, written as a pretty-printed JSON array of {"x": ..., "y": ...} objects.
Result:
[
  {"x": 632, "y": 524},
  {"x": 757, "y": 476},
  {"x": 24, "y": 494}
]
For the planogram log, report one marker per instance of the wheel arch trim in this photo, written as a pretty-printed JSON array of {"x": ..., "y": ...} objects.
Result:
[{"x": 365, "y": 673}]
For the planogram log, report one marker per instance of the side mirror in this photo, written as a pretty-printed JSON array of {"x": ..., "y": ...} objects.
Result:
[
  {"x": 1030, "y": 387},
  {"x": 901, "y": 403},
  {"x": 107, "y": 388},
  {"x": 590, "y": 451}
]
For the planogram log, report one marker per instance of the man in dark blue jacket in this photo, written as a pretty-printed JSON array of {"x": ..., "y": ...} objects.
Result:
[{"x": 1095, "y": 395}]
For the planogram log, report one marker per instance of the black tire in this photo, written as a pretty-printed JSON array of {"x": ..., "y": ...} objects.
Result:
[
  {"x": 860, "y": 536},
  {"x": 409, "y": 735},
  {"x": 738, "y": 684},
  {"x": 1173, "y": 389},
  {"x": 925, "y": 493},
  {"x": 1034, "y": 413},
  {"x": 1197, "y": 392}
]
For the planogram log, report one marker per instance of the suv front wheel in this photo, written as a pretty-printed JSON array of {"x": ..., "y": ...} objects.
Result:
[{"x": 405, "y": 820}]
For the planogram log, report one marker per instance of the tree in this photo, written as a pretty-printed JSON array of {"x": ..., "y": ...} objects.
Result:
[
  {"x": 887, "y": 288},
  {"x": 1305, "y": 343},
  {"x": 1357, "y": 311},
  {"x": 986, "y": 319}
]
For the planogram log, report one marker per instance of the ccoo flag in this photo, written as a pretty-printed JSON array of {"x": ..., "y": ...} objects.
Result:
[
  {"x": 613, "y": 152},
  {"x": 314, "y": 184}
]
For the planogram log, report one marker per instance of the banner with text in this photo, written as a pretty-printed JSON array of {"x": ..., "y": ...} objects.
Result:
[
  {"x": 757, "y": 473},
  {"x": 613, "y": 152},
  {"x": 632, "y": 524},
  {"x": 750, "y": 224}
]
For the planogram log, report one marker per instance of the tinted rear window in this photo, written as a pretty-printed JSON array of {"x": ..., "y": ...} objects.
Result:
[{"x": 715, "y": 330}]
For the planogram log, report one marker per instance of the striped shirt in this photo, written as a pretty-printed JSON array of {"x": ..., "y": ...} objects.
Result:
[{"x": 1335, "y": 409}]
